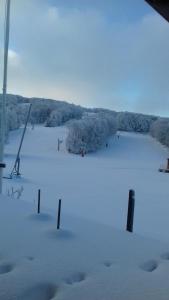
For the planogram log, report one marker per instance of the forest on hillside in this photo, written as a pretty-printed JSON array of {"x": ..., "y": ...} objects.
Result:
[{"x": 88, "y": 128}]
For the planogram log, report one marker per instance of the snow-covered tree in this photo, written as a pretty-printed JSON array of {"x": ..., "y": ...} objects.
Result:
[
  {"x": 90, "y": 133},
  {"x": 160, "y": 130},
  {"x": 134, "y": 122},
  {"x": 63, "y": 114}
]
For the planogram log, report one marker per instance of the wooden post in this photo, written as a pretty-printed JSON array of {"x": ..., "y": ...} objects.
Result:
[
  {"x": 39, "y": 201},
  {"x": 59, "y": 213},
  {"x": 130, "y": 216}
]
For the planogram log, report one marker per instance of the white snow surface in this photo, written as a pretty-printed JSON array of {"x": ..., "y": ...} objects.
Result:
[
  {"x": 87, "y": 258},
  {"x": 84, "y": 260},
  {"x": 96, "y": 186}
]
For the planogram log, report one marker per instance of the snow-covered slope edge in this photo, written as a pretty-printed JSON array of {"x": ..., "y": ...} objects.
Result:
[{"x": 84, "y": 260}]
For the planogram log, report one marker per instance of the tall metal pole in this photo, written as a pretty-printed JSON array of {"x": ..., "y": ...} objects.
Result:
[
  {"x": 15, "y": 170},
  {"x": 3, "y": 104}
]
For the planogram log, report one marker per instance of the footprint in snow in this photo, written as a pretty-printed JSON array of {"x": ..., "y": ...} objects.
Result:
[
  {"x": 61, "y": 234},
  {"x": 76, "y": 278},
  {"x": 108, "y": 264},
  {"x": 30, "y": 258},
  {"x": 43, "y": 291},
  {"x": 43, "y": 217},
  {"x": 165, "y": 256},
  {"x": 149, "y": 266},
  {"x": 6, "y": 268}
]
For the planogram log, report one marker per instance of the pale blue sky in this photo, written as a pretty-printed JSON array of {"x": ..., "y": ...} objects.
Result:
[
  {"x": 97, "y": 53},
  {"x": 120, "y": 10}
]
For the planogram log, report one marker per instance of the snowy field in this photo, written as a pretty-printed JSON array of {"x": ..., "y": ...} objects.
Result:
[
  {"x": 95, "y": 187},
  {"x": 87, "y": 258}
]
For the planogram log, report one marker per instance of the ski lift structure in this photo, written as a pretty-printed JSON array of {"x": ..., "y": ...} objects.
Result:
[
  {"x": 16, "y": 168},
  {"x": 4, "y": 89}
]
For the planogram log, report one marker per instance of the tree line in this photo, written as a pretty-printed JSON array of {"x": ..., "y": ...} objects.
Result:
[{"x": 88, "y": 128}]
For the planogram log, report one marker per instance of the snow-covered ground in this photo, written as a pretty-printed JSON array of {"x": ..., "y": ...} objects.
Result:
[
  {"x": 84, "y": 260},
  {"x": 95, "y": 187},
  {"x": 87, "y": 258}
]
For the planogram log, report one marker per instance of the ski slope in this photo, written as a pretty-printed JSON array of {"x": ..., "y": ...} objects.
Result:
[
  {"x": 88, "y": 258},
  {"x": 96, "y": 186}
]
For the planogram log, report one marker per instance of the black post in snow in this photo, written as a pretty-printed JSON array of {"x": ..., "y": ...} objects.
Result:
[
  {"x": 59, "y": 214},
  {"x": 130, "y": 216},
  {"x": 58, "y": 144},
  {"x": 39, "y": 194}
]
